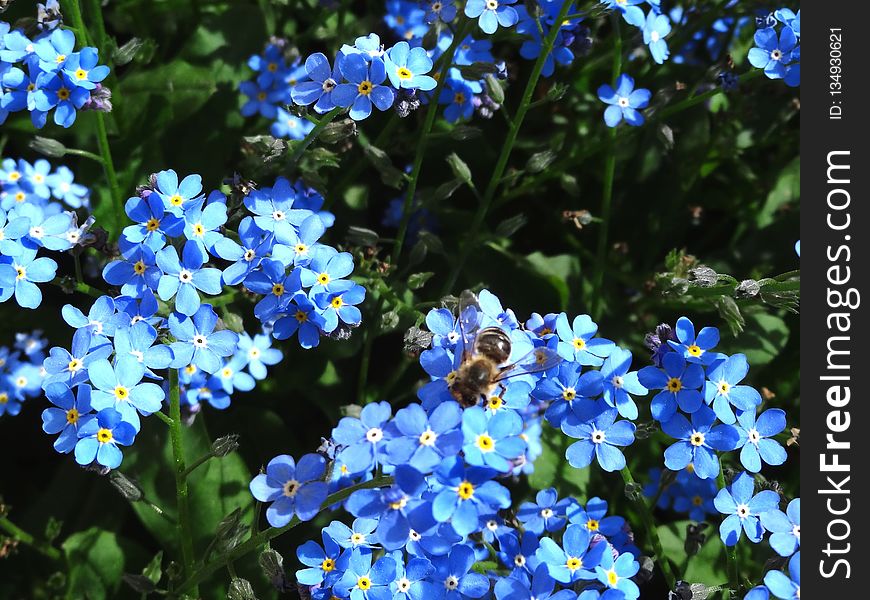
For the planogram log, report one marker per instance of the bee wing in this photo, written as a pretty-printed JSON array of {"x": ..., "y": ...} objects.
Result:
[
  {"x": 469, "y": 320},
  {"x": 539, "y": 359}
]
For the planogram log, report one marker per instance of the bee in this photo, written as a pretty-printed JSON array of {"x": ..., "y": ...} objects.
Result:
[{"x": 484, "y": 353}]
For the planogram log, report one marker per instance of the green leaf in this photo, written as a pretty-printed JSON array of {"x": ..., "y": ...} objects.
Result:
[
  {"x": 418, "y": 280},
  {"x": 553, "y": 470},
  {"x": 763, "y": 339},
  {"x": 786, "y": 191},
  {"x": 96, "y": 562},
  {"x": 390, "y": 175},
  {"x": 707, "y": 567}
]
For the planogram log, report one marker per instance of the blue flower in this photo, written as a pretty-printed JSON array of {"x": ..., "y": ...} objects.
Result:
[
  {"x": 339, "y": 305},
  {"x": 492, "y": 442},
  {"x": 406, "y": 19},
  {"x": 67, "y": 415},
  {"x": 518, "y": 556},
  {"x": 11, "y": 231},
  {"x": 785, "y": 528},
  {"x": 102, "y": 319},
  {"x": 771, "y": 52},
  {"x": 293, "y": 489},
  {"x": 198, "y": 342},
  {"x": 247, "y": 256},
  {"x": 458, "y": 94},
  {"x": 326, "y": 268},
  {"x": 743, "y": 509},
  {"x": 593, "y": 518},
  {"x": 59, "y": 92},
  {"x": 616, "y": 574},
  {"x": 679, "y": 382},
  {"x": 786, "y": 587},
  {"x": 541, "y": 588},
  {"x": 357, "y": 536},
  {"x": 547, "y": 513},
  {"x": 694, "y": 496},
  {"x": 324, "y": 80},
  {"x": 138, "y": 341},
  {"x": 202, "y": 224},
  {"x": 176, "y": 196},
  {"x": 54, "y": 50},
  {"x": 100, "y": 437},
  {"x": 424, "y": 441},
  {"x": 273, "y": 211},
  {"x": 413, "y": 581},
  {"x": 27, "y": 271},
  {"x": 366, "y": 581},
  {"x": 64, "y": 188},
  {"x": 82, "y": 68},
  {"x": 631, "y": 12},
  {"x": 258, "y": 352},
  {"x": 261, "y": 100},
  {"x": 722, "y": 391},
  {"x": 655, "y": 29},
  {"x": 491, "y": 13},
  {"x": 120, "y": 387},
  {"x": 303, "y": 319},
  {"x": 440, "y": 10},
  {"x": 311, "y": 229},
  {"x": 564, "y": 388},
  {"x": 270, "y": 66},
  {"x": 153, "y": 222},
  {"x": 619, "y": 383},
  {"x": 624, "y": 102},
  {"x": 290, "y": 126},
  {"x": 574, "y": 560},
  {"x": 577, "y": 341},
  {"x": 754, "y": 438},
  {"x": 365, "y": 87},
  {"x": 407, "y": 67},
  {"x": 182, "y": 278},
  {"x": 136, "y": 270},
  {"x": 697, "y": 442},
  {"x": 365, "y": 439},
  {"x": 694, "y": 349},
  {"x": 70, "y": 367},
  {"x": 467, "y": 493},
  {"x": 454, "y": 573},
  {"x": 321, "y": 562},
  {"x": 600, "y": 435}
]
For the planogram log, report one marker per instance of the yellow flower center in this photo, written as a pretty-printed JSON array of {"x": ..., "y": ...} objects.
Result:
[
  {"x": 327, "y": 565},
  {"x": 301, "y": 248},
  {"x": 60, "y": 58},
  {"x": 323, "y": 278},
  {"x": 121, "y": 393},
  {"x": 428, "y": 437},
  {"x": 724, "y": 388},
  {"x": 612, "y": 577},
  {"x": 139, "y": 267},
  {"x": 72, "y": 416},
  {"x": 579, "y": 343},
  {"x": 459, "y": 98},
  {"x": 695, "y": 350},
  {"x": 20, "y": 196},
  {"x": 104, "y": 436},
  {"x": 291, "y": 487},
  {"x": 4, "y": 397},
  {"x": 568, "y": 394},
  {"x": 364, "y": 583},
  {"x": 14, "y": 176},
  {"x": 190, "y": 369},
  {"x": 485, "y": 443},
  {"x": 301, "y": 316},
  {"x": 81, "y": 74},
  {"x": 198, "y": 230},
  {"x": 176, "y": 200},
  {"x": 404, "y": 73},
  {"x": 74, "y": 365},
  {"x": 697, "y": 439},
  {"x": 365, "y": 88},
  {"x": 675, "y": 384},
  {"x": 465, "y": 490},
  {"x": 272, "y": 67},
  {"x": 63, "y": 94},
  {"x": 697, "y": 501},
  {"x": 494, "y": 403},
  {"x": 278, "y": 289},
  {"x": 152, "y": 224},
  {"x": 337, "y": 302},
  {"x": 21, "y": 272},
  {"x": 573, "y": 563},
  {"x": 592, "y": 525}
]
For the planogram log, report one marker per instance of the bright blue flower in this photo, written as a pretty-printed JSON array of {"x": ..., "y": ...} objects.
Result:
[
  {"x": 230, "y": 377},
  {"x": 541, "y": 587},
  {"x": 198, "y": 342},
  {"x": 100, "y": 437},
  {"x": 136, "y": 270},
  {"x": 144, "y": 308},
  {"x": 467, "y": 493},
  {"x": 491, "y": 13},
  {"x": 320, "y": 560},
  {"x": 424, "y": 441},
  {"x": 679, "y": 382},
  {"x": 59, "y": 92},
  {"x": 458, "y": 95},
  {"x": 327, "y": 267},
  {"x": 82, "y": 68},
  {"x": 758, "y": 593},
  {"x": 247, "y": 256},
  {"x": 444, "y": 326},
  {"x": 697, "y": 442},
  {"x": 722, "y": 391},
  {"x": 619, "y": 383},
  {"x": 406, "y": 19},
  {"x": 293, "y": 489},
  {"x": 655, "y": 28},
  {"x": 339, "y": 305},
  {"x": 455, "y": 575},
  {"x": 202, "y": 224},
  {"x": 625, "y": 102},
  {"x": 68, "y": 414},
  {"x": 440, "y": 10},
  {"x": 568, "y": 385},
  {"x": 518, "y": 556},
  {"x": 367, "y": 46},
  {"x": 21, "y": 89},
  {"x": 65, "y": 189},
  {"x": 258, "y": 352},
  {"x": 120, "y": 387},
  {"x": 366, "y": 581},
  {"x": 11, "y": 231},
  {"x": 302, "y": 318},
  {"x": 275, "y": 285},
  {"x": 55, "y": 50},
  {"x": 755, "y": 443},
  {"x": 786, "y": 587},
  {"x": 600, "y": 436},
  {"x": 492, "y": 441},
  {"x": 785, "y": 528},
  {"x": 574, "y": 560},
  {"x": 616, "y": 574},
  {"x": 407, "y": 67},
  {"x": 290, "y": 126},
  {"x": 26, "y": 271},
  {"x": 743, "y": 509},
  {"x": 324, "y": 80},
  {"x": 694, "y": 496},
  {"x": 577, "y": 341},
  {"x": 71, "y": 367},
  {"x": 101, "y": 320},
  {"x": 593, "y": 518},
  {"x": 365, "y": 87},
  {"x": 176, "y": 196},
  {"x": 631, "y": 12},
  {"x": 138, "y": 341},
  {"x": 274, "y": 212},
  {"x": 696, "y": 350},
  {"x": 364, "y": 439},
  {"x": 547, "y": 513},
  {"x": 270, "y": 66},
  {"x": 771, "y": 52},
  {"x": 261, "y": 100},
  {"x": 182, "y": 278},
  {"x": 412, "y": 582},
  {"x": 311, "y": 229},
  {"x": 359, "y": 535},
  {"x": 153, "y": 222}
]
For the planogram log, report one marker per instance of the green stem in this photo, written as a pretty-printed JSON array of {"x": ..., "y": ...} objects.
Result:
[
  {"x": 197, "y": 463},
  {"x": 730, "y": 551},
  {"x": 646, "y": 516},
  {"x": 69, "y": 285},
  {"x": 257, "y": 541},
  {"x": 695, "y": 100},
  {"x": 354, "y": 171},
  {"x": 506, "y": 149},
  {"x": 184, "y": 529},
  {"x": 312, "y": 135},
  {"x": 85, "y": 154},
  {"x": 423, "y": 141},
  {"x": 25, "y": 538}
]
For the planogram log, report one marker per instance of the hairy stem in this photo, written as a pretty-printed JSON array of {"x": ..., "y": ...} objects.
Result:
[
  {"x": 730, "y": 551},
  {"x": 27, "y": 539},
  {"x": 312, "y": 135},
  {"x": 184, "y": 530},
  {"x": 506, "y": 149}
]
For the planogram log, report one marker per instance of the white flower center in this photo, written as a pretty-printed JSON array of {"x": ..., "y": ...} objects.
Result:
[
  {"x": 754, "y": 436},
  {"x": 623, "y": 102},
  {"x": 547, "y": 513},
  {"x": 279, "y": 215},
  {"x": 37, "y": 232},
  {"x": 742, "y": 511},
  {"x": 598, "y": 436},
  {"x": 654, "y": 36},
  {"x": 492, "y": 525},
  {"x": 617, "y": 382},
  {"x": 796, "y": 531},
  {"x": 374, "y": 435},
  {"x": 199, "y": 341},
  {"x": 451, "y": 583},
  {"x": 403, "y": 584},
  {"x": 520, "y": 560},
  {"x": 185, "y": 276},
  {"x": 139, "y": 356},
  {"x": 428, "y": 437}
]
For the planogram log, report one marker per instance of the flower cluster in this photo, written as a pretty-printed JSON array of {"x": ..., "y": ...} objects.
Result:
[
  {"x": 36, "y": 215},
  {"x": 180, "y": 250},
  {"x": 654, "y": 24},
  {"x": 777, "y": 46},
  {"x": 44, "y": 74},
  {"x": 20, "y": 371}
]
